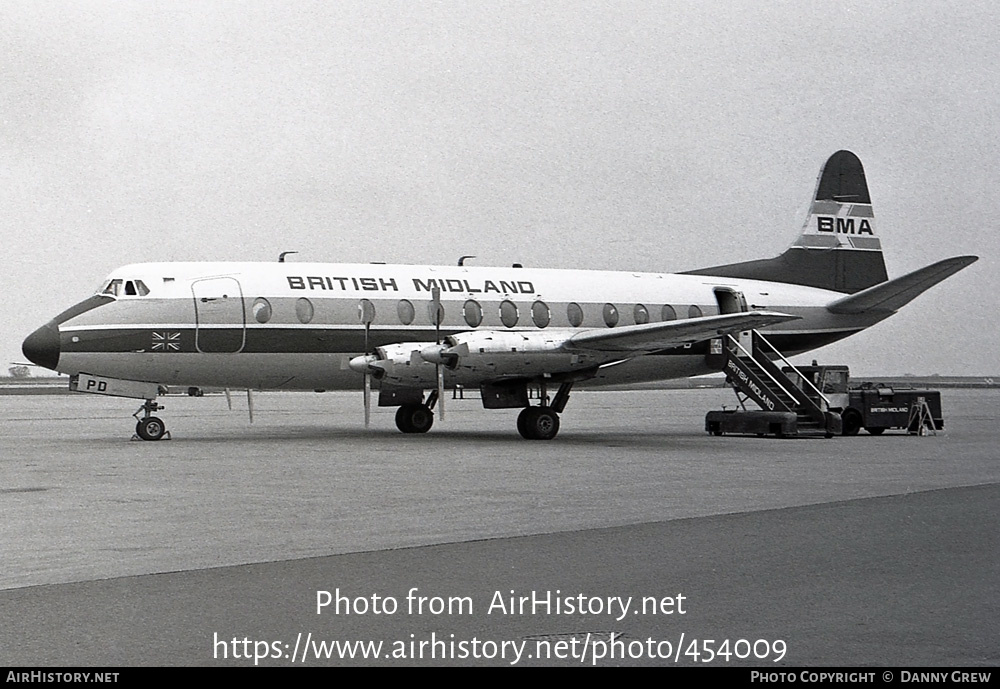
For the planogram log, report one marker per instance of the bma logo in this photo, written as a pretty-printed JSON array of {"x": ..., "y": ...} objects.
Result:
[{"x": 843, "y": 225}]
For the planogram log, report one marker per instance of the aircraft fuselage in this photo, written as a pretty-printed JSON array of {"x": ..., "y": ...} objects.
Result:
[{"x": 297, "y": 325}]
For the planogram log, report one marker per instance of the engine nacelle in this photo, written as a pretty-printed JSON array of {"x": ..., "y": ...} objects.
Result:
[
  {"x": 401, "y": 364},
  {"x": 510, "y": 352}
]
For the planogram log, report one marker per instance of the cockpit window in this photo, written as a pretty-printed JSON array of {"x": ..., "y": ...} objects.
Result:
[{"x": 128, "y": 288}]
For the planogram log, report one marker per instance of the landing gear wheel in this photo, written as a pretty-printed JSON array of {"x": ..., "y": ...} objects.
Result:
[
  {"x": 414, "y": 418},
  {"x": 150, "y": 428},
  {"x": 538, "y": 423},
  {"x": 521, "y": 421},
  {"x": 851, "y": 421}
]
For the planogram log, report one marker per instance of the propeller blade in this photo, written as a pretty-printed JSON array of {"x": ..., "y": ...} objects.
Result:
[
  {"x": 440, "y": 375},
  {"x": 368, "y": 399},
  {"x": 436, "y": 296},
  {"x": 368, "y": 379}
]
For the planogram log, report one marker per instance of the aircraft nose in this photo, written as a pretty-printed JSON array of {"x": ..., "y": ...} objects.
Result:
[{"x": 42, "y": 346}]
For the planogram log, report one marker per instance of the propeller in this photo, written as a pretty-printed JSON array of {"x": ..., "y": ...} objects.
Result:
[
  {"x": 366, "y": 310},
  {"x": 368, "y": 383},
  {"x": 436, "y": 296}
]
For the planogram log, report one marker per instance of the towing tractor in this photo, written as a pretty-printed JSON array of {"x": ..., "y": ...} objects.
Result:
[{"x": 875, "y": 407}]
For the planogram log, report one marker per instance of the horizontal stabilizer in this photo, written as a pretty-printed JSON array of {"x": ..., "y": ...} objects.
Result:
[
  {"x": 653, "y": 336},
  {"x": 892, "y": 295}
]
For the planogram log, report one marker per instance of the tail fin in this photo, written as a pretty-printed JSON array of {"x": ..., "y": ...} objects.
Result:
[{"x": 838, "y": 248}]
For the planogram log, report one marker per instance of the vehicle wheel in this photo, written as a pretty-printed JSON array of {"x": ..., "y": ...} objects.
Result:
[
  {"x": 522, "y": 421},
  {"x": 875, "y": 430},
  {"x": 851, "y": 421},
  {"x": 539, "y": 423},
  {"x": 150, "y": 428},
  {"x": 414, "y": 418}
]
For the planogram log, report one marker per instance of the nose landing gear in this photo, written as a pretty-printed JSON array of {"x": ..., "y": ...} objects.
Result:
[{"x": 150, "y": 427}]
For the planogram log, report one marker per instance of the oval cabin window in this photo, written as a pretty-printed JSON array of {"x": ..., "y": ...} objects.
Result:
[
  {"x": 640, "y": 314},
  {"x": 261, "y": 310},
  {"x": 473, "y": 313},
  {"x": 366, "y": 312},
  {"x": 540, "y": 314},
  {"x": 304, "y": 310},
  {"x": 508, "y": 313},
  {"x": 610, "y": 315},
  {"x": 405, "y": 311},
  {"x": 574, "y": 314}
]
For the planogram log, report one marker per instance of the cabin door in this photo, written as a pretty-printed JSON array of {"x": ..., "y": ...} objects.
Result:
[
  {"x": 730, "y": 301},
  {"x": 220, "y": 320}
]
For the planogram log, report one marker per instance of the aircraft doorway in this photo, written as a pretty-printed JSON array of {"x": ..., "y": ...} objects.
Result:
[
  {"x": 729, "y": 301},
  {"x": 220, "y": 321}
]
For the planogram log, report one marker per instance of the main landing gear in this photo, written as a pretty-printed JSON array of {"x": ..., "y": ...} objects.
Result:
[
  {"x": 542, "y": 422},
  {"x": 538, "y": 423},
  {"x": 414, "y": 418},
  {"x": 150, "y": 427},
  {"x": 417, "y": 418}
]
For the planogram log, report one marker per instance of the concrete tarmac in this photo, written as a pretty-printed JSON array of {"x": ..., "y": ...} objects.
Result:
[{"x": 850, "y": 551}]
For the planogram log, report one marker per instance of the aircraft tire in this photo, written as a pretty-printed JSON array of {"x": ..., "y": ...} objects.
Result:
[
  {"x": 414, "y": 418},
  {"x": 521, "y": 422},
  {"x": 150, "y": 428},
  {"x": 851, "y": 422},
  {"x": 539, "y": 423}
]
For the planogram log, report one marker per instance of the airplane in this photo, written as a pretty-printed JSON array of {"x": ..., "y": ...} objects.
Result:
[{"x": 414, "y": 331}]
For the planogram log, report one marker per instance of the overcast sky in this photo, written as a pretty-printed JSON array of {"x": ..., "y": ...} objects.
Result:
[{"x": 653, "y": 136}]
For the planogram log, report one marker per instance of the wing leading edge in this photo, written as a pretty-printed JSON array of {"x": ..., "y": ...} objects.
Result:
[{"x": 650, "y": 337}]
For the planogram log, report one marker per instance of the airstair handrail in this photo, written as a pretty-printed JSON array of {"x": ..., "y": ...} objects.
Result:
[
  {"x": 773, "y": 379},
  {"x": 794, "y": 368}
]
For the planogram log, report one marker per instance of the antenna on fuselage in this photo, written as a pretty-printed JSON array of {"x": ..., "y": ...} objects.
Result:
[
  {"x": 281, "y": 257},
  {"x": 461, "y": 261}
]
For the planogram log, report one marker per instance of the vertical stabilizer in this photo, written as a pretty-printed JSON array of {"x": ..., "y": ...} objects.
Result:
[{"x": 838, "y": 248}]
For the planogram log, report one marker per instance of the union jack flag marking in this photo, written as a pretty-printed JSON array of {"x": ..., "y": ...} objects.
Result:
[{"x": 166, "y": 342}]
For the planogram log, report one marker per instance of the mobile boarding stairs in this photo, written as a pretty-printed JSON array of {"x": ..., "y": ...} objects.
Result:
[{"x": 789, "y": 402}]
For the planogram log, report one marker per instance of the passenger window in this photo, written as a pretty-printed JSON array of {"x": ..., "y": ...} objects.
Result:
[
  {"x": 473, "y": 313},
  {"x": 366, "y": 312},
  {"x": 508, "y": 313},
  {"x": 261, "y": 310},
  {"x": 694, "y": 311},
  {"x": 641, "y": 314},
  {"x": 667, "y": 313},
  {"x": 610, "y": 315},
  {"x": 304, "y": 310},
  {"x": 540, "y": 314},
  {"x": 574, "y": 314},
  {"x": 405, "y": 311}
]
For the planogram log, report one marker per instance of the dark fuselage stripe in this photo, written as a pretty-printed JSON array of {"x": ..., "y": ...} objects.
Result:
[{"x": 325, "y": 341}]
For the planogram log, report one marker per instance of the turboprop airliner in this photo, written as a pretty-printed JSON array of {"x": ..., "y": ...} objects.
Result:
[{"x": 516, "y": 334}]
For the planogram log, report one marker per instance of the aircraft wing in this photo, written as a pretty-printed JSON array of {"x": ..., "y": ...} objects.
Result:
[{"x": 650, "y": 337}]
